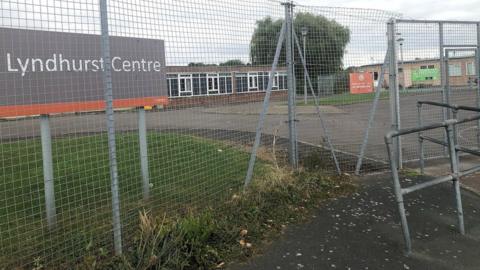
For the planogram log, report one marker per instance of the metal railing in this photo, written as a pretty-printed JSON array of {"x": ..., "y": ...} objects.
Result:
[
  {"x": 453, "y": 150},
  {"x": 454, "y": 109}
]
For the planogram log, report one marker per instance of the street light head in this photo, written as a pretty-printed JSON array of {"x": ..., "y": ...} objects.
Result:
[{"x": 304, "y": 30}]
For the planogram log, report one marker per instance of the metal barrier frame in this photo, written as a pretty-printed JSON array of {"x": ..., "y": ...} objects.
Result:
[
  {"x": 391, "y": 60},
  {"x": 454, "y": 176}
]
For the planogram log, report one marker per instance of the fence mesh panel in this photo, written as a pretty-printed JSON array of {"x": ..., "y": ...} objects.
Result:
[
  {"x": 349, "y": 42},
  {"x": 195, "y": 74},
  {"x": 421, "y": 79}
]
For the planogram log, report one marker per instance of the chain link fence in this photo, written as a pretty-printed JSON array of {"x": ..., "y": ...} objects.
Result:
[{"x": 111, "y": 107}]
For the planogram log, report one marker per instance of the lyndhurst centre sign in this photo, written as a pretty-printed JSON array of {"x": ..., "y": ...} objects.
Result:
[{"x": 45, "y": 72}]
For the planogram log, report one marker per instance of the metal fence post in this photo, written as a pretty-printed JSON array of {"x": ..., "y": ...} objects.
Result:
[
  {"x": 371, "y": 117},
  {"x": 46, "y": 139},
  {"x": 394, "y": 91},
  {"x": 291, "y": 85},
  {"x": 142, "y": 139},
  {"x": 399, "y": 196},
  {"x": 317, "y": 107},
  {"x": 305, "y": 93},
  {"x": 107, "y": 84},
  {"x": 455, "y": 171},
  {"x": 421, "y": 147},
  {"x": 266, "y": 103},
  {"x": 443, "y": 77},
  {"x": 477, "y": 72}
]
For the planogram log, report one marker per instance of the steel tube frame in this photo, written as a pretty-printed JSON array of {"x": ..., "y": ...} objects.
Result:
[
  {"x": 317, "y": 107},
  {"x": 399, "y": 196},
  {"x": 290, "y": 85},
  {"x": 266, "y": 104},
  {"x": 454, "y": 108},
  {"x": 455, "y": 170},
  {"x": 459, "y": 47},
  {"x": 371, "y": 116},
  {"x": 454, "y": 176},
  {"x": 142, "y": 139},
  {"x": 107, "y": 84},
  {"x": 305, "y": 75},
  {"x": 48, "y": 176},
  {"x": 394, "y": 90},
  {"x": 426, "y": 184},
  {"x": 458, "y": 148},
  {"x": 421, "y": 148},
  {"x": 477, "y": 69},
  {"x": 435, "y": 21},
  {"x": 443, "y": 76}
]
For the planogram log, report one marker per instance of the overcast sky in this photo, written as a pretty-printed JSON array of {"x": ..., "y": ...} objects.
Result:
[
  {"x": 213, "y": 31},
  {"x": 418, "y": 9}
]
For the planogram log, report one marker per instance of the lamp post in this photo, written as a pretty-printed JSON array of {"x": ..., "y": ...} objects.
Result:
[{"x": 304, "y": 31}]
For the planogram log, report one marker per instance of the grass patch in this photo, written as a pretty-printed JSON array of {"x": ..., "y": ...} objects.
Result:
[
  {"x": 185, "y": 172},
  {"x": 232, "y": 230}
]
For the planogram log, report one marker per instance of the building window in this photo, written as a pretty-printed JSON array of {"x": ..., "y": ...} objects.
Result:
[
  {"x": 203, "y": 84},
  {"x": 282, "y": 80},
  {"x": 225, "y": 83},
  {"x": 263, "y": 78},
  {"x": 242, "y": 82},
  {"x": 454, "y": 70},
  {"x": 427, "y": 67},
  {"x": 375, "y": 75},
  {"x": 185, "y": 85},
  {"x": 212, "y": 80},
  {"x": 471, "y": 69},
  {"x": 275, "y": 81},
  {"x": 252, "y": 81},
  {"x": 172, "y": 83}
]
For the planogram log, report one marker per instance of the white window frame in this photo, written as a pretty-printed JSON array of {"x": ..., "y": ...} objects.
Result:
[
  {"x": 215, "y": 89},
  {"x": 282, "y": 74},
  {"x": 225, "y": 75},
  {"x": 170, "y": 78},
  {"x": 473, "y": 69},
  {"x": 238, "y": 77},
  {"x": 457, "y": 65},
  {"x": 275, "y": 80},
  {"x": 252, "y": 81},
  {"x": 186, "y": 78}
]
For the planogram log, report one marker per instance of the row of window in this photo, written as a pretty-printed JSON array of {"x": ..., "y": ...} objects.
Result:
[
  {"x": 456, "y": 69},
  {"x": 203, "y": 84}
]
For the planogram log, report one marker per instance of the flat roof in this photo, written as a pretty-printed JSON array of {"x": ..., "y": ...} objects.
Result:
[
  {"x": 226, "y": 69},
  {"x": 424, "y": 60}
]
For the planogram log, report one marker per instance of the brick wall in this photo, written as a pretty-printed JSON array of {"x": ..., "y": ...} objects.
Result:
[{"x": 224, "y": 99}]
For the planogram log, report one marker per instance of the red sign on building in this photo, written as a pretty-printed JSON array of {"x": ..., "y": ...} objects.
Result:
[{"x": 361, "y": 83}]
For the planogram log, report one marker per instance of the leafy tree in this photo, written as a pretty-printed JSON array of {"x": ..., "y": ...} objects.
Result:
[
  {"x": 199, "y": 64},
  {"x": 233, "y": 62},
  {"x": 325, "y": 45}
]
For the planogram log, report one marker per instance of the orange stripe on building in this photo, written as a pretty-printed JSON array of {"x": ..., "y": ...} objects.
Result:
[{"x": 87, "y": 106}]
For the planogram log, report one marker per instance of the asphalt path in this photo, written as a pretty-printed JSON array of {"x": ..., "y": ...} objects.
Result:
[
  {"x": 345, "y": 123},
  {"x": 363, "y": 232}
]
